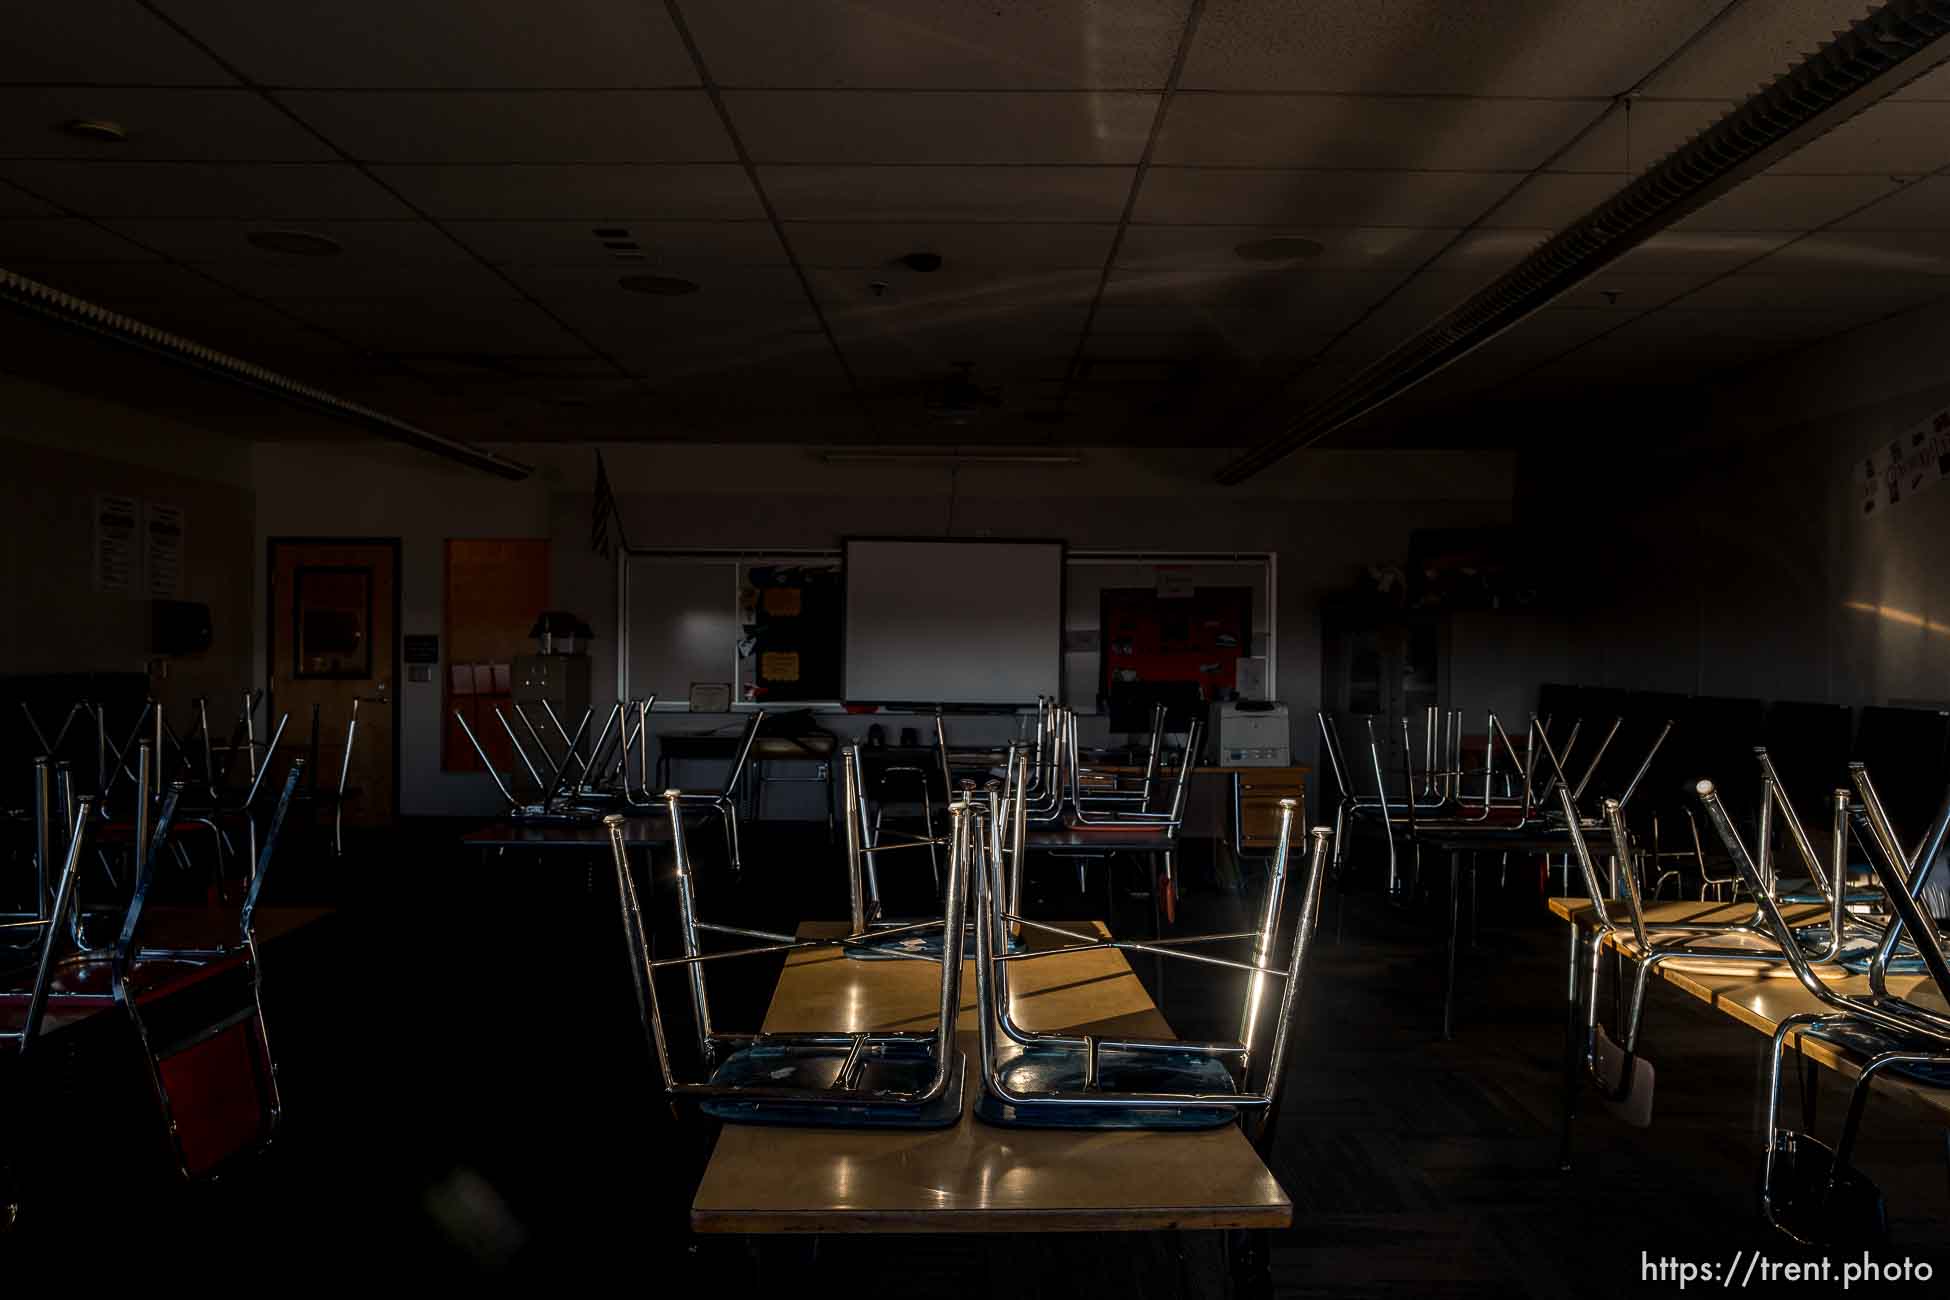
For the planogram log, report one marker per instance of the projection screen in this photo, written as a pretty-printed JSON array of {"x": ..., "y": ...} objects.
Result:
[{"x": 937, "y": 622}]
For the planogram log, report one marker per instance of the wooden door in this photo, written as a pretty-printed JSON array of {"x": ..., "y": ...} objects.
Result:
[{"x": 334, "y": 640}]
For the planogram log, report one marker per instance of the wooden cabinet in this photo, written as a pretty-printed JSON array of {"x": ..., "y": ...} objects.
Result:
[{"x": 1260, "y": 791}]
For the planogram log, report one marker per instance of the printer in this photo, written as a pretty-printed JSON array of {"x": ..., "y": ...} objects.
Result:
[{"x": 1253, "y": 733}]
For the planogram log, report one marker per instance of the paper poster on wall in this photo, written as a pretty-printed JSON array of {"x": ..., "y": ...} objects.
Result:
[
  {"x": 163, "y": 536},
  {"x": 1914, "y": 461},
  {"x": 115, "y": 542}
]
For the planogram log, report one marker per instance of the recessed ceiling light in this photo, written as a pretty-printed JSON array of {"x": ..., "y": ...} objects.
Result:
[
  {"x": 665, "y": 286},
  {"x": 99, "y": 130},
  {"x": 298, "y": 243},
  {"x": 1280, "y": 248},
  {"x": 922, "y": 262}
]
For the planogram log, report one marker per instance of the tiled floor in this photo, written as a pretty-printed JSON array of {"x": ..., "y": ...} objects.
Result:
[{"x": 467, "y": 1092}]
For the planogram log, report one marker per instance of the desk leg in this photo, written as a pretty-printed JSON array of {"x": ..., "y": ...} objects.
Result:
[
  {"x": 1573, "y": 1024},
  {"x": 1455, "y": 919},
  {"x": 1249, "y": 1258}
]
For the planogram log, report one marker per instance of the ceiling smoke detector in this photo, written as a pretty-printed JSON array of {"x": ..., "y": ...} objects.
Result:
[
  {"x": 1279, "y": 248},
  {"x": 662, "y": 286},
  {"x": 97, "y": 130},
  {"x": 296, "y": 243}
]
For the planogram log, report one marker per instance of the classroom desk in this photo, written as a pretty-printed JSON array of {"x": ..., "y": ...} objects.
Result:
[
  {"x": 1457, "y": 840},
  {"x": 973, "y": 1177},
  {"x": 648, "y": 830},
  {"x": 1254, "y": 795},
  {"x": 722, "y": 745},
  {"x": 1758, "y": 999}
]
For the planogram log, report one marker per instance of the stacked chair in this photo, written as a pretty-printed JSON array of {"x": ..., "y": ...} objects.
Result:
[
  {"x": 185, "y": 980},
  {"x": 1840, "y": 917},
  {"x": 915, "y": 1079},
  {"x": 615, "y": 778}
]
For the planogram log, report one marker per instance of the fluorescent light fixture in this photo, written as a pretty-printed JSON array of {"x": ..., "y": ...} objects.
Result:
[{"x": 896, "y": 455}]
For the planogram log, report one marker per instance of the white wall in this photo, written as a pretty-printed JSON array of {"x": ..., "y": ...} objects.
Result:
[
  {"x": 62, "y": 449},
  {"x": 1738, "y": 561}
]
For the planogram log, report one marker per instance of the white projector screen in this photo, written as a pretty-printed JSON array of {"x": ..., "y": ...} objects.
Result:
[{"x": 953, "y": 622}]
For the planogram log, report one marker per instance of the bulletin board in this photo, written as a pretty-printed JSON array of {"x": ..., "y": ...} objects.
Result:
[
  {"x": 1195, "y": 636},
  {"x": 790, "y": 632},
  {"x": 687, "y": 616}
]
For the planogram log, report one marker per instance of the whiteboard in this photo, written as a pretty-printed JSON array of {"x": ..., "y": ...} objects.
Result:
[
  {"x": 681, "y": 625},
  {"x": 953, "y": 622}
]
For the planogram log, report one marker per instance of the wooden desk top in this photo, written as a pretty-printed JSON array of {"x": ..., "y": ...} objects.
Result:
[
  {"x": 1763, "y": 998},
  {"x": 974, "y": 1177},
  {"x": 638, "y": 832}
]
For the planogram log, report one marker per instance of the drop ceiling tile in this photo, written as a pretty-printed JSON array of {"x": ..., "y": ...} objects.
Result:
[
  {"x": 950, "y": 296},
  {"x": 1934, "y": 84},
  {"x": 756, "y": 289},
  {"x": 961, "y": 44},
  {"x": 362, "y": 242},
  {"x": 232, "y": 190},
  {"x": 1891, "y": 137},
  {"x": 172, "y": 125},
  {"x": 963, "y": 331},
  {"x": 1554, "y": 48},
  {"x": 64, "y": 239},
  {"x": 664, "y": 356},
  {"x": 1781, "y": 326},
  {"x": 577, "y": 243},
  {"x": 1000, "y": 356},
  {"x": 100, "y": 42},
  {"x": 539, "y": 192},
  {"x": 1877, "y": 252},
  {"x": 1886, "y": 291},
  {"x": 1924, "y": 205},
  {"x": 341, "y": 277},
  {"x": 948, "y": 193},
  {"x": 1775, "y": 202},
  {"x": 1216, "y": 196},
  {"x": 788, "y": 126},
  {"x": 1626, "y": 143},
  {"x": 1186, "y": 248},
  {"x": 485, "y": 44},
  {"x": 600, "y": 126},
  {"x": 1637, "y": 291},
  {"x": 1021, "y": 245},
  {"x": 1687, "y": 251},
  {"x": 1754, "y": 44},
  {"x": 111, "y": 283},
  {"x": 417, "y": 325},
  {"x": 1551, "y": 200},
  {"x": 1368, "y": 133},
  {"x": 1305, "y": 299},
  {"x": 16, "y": 202}
]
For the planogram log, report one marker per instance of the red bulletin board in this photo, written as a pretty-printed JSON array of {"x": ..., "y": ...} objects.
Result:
[{"x": 1154, "y": 639}]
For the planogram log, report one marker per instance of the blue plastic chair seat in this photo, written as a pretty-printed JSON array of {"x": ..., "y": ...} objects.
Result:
[
  {"x": 885, "y": 1067},
  {"x": 1869, "y": 1042},
  {"x": 927, "y": 944},
  {"x": 1060, "y": 1069}
]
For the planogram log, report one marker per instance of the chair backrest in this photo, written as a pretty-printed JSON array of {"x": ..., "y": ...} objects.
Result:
[
  {"x": 742, "y": 756},
  {"x": 51, "y": 931},
  {"x": 208, "y": 1054}
]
